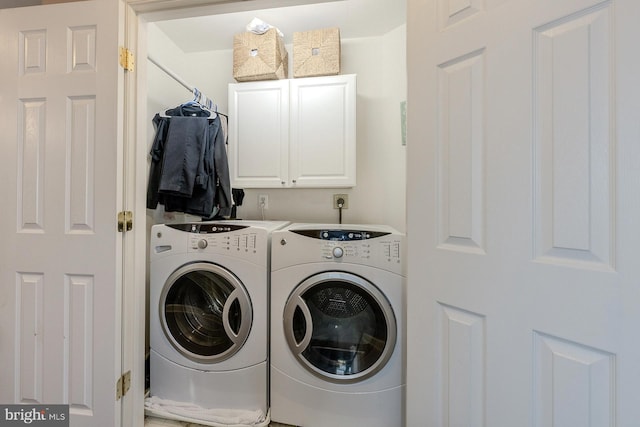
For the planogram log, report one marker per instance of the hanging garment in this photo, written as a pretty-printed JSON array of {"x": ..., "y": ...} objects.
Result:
[
  {"x": 189, "y": 169},
  {"x": 238, "y": 197},
  {"x": 184, "y": 156}
]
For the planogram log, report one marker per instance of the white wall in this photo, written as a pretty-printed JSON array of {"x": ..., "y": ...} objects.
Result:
[
  {"x": 379, "y": 62},
  {"x": 7, "y": 4}
]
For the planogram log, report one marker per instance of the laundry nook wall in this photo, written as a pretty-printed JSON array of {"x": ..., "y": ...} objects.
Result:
[{"x": 380, "y": 65}]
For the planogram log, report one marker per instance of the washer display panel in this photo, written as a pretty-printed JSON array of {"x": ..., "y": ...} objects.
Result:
[
  {"x": 205, "y": 312},
  {"x": 340, "y": 326}
]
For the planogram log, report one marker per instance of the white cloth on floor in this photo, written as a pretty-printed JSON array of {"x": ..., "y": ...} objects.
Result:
[{"x": 214, "y": 417}]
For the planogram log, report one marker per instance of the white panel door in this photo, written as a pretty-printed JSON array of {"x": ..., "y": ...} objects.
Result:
[
  {"x": 523, "y": 208},
  {"x": 59, "y": 263}
]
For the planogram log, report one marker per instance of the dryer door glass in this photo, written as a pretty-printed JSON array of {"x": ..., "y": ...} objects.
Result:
[
  {"x": 206, "y": 312},
  {"x": 340, "y": 326}
]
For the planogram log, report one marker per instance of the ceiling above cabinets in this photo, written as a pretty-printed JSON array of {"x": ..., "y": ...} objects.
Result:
[{"x": 355, "y": 18}]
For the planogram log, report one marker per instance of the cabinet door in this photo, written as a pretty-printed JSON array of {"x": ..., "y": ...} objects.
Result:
[
  {"x": 259, "y": 134},
  {"x": 323, "y": 132}
]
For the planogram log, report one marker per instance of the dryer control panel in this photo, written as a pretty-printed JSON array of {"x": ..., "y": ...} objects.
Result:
[
  {"x": 341, "y": 235},
  {"x": 358, "y": 246}
]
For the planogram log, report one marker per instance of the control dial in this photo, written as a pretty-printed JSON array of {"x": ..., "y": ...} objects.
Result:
[
  {"x": 202, "y": 244},
  {"x": 338, "y": 252}
]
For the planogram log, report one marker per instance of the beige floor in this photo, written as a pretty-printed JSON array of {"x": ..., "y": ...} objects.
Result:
[{"x": 159, "y": 422}]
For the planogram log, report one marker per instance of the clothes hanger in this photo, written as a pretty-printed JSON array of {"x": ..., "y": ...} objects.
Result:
[
  {"x": 196, "y": 99},
  {"x": 204, "y": 102}
]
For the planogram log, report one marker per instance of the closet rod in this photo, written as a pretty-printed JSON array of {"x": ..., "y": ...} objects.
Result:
[
  {"x": 170, "y": 73},
  {"x": 201, "y": 98}
]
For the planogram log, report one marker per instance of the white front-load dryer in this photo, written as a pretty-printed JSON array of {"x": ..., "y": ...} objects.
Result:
[
  {"x": 337, "y": 326},
  {"x": 209, "y": 313}
]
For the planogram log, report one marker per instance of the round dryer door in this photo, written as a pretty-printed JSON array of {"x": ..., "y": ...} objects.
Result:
[
  {"x": 340, "y": 326},
  {"x": 205, "y": 312}
]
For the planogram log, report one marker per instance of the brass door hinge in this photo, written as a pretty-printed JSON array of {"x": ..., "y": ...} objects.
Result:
[
  {"x": 127, "y": 60},
  {"x": 123, "y": 385},
  {"x": 125, "y": 221}
]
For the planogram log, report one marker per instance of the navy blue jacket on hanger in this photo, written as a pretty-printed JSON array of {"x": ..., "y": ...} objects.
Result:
[{"x": 189, "y": 168}]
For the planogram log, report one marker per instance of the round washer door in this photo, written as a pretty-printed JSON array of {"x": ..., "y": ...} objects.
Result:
[
  {"x": 340, "y": 326},
  {"x": 205, "y": 312}
]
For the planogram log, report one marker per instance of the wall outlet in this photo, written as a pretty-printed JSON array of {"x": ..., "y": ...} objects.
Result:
[
  {"x": 263, "y": 201},
  {"x": 340, "y": 199}
]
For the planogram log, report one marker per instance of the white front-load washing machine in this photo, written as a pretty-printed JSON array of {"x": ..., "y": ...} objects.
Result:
[
  {"x": 209, "y": 313},
  {"x": 337, "y": 326}
]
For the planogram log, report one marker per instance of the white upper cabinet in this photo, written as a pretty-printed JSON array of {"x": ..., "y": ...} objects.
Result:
[
  {"x": 259, "y": 134},
  {"x": 293, "y": 133}
]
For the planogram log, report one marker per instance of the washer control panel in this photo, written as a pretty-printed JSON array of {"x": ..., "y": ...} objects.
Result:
[
  {"x": 220, "y": 238},
  {"x": 206, "y": 228}
]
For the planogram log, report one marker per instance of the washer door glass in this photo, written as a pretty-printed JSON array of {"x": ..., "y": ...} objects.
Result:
[
  {"x": 206, "y": 312},
  {"x": 340, "y": 326}
]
